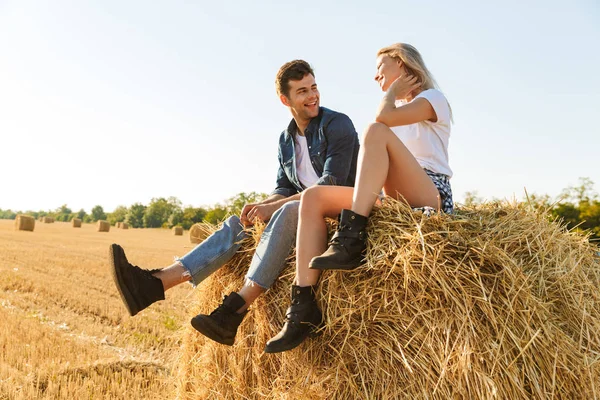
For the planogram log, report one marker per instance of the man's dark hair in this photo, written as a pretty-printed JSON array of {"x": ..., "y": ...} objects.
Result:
[{"x": 291, "y": 71}]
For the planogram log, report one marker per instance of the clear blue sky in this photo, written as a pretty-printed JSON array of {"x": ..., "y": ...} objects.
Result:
[{"x": 116, "y": 102}]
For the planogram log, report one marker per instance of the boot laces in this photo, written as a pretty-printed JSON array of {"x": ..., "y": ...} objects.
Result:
[
  {"x": 144, "y": 273},
  {"x": 222, "y": 311}
]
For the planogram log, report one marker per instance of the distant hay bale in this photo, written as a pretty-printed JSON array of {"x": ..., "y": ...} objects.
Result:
[
  {"x": 200, "y": 231},
  {"x": 495, "y": 302},
  {"x": 117, "y": 225},
  {"x": 177, "y": 230},
  {"x": 103, "y": 226},
  {"x": 47, "y": 220},
  {"x": 123, "y": 225},
  {"x": 76, "y": 223},
  {"x": 24, "y": 223}
]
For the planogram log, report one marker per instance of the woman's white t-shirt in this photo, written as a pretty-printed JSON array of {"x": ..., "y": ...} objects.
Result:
[
  {"x": 304, "y": 168},
  {"x": 426, "y": 140}
]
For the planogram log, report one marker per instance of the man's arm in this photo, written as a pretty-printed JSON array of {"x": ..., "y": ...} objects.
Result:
[
  {"x": 342, "y": 140},
  {"x": 263, "y": 210}
]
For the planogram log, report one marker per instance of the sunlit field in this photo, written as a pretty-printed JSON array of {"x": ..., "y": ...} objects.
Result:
[{"x": 64, "y": 330}]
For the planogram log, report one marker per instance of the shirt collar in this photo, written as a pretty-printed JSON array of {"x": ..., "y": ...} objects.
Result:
[{"x": 312, "y": 125}]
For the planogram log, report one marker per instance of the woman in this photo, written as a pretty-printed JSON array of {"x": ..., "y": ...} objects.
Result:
[{"x": 405, "y": 153}]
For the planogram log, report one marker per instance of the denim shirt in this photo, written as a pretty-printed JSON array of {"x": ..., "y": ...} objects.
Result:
[{"x": 332, "y": 147}]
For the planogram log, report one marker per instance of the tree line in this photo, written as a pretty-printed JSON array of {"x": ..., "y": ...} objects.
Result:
[
  {"x": 577, "y": 206},
  {"x": 160, "y": 213}
]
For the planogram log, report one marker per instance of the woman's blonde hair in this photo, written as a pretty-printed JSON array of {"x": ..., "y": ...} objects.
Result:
[{"x": 414, "y": 64}]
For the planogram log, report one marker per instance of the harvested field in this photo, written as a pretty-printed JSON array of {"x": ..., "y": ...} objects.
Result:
[{"x": 65, "y": 333}]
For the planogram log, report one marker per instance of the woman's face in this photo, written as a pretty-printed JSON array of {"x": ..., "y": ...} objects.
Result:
[{"x": 388, "y": 70}]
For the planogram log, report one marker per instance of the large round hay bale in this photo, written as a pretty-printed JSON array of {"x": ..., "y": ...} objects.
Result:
[
  {"x": 24, "y": 223},
  {"x": 491, "y": 303},
  {"x": 177, "y": 230},
  {"x": 103, "y": 226},
  {"x": 124, "y": 225},
  {"x": 200, "y": 231},
  {"x": 76, "y": 223}
]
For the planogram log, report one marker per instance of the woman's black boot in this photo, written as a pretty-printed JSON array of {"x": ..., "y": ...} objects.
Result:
[
  {"x": 302, "y": 318},
  {"x": 347, "y": 246}
]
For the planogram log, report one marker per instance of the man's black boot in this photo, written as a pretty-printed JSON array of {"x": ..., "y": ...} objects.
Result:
[
  {"x": 302, "y": 318},
  {"x": 222, "y": 324},
  {"x": 138, "y": 287},
  {"x": 347, "y": 246}
]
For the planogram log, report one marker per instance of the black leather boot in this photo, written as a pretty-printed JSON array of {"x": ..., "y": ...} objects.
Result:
[
  {"x": 222, "y": 324},
  {"x": 302, "y": 318},
  {"x": 347, "y": 246},
  {"x": 138, "y": 287}
]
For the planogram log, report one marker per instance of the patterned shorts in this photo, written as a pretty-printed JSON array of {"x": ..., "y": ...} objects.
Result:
[{"x": 442, "y": 183}]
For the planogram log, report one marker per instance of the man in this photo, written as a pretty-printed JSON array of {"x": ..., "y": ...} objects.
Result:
[{"x": 319, "y": 147}]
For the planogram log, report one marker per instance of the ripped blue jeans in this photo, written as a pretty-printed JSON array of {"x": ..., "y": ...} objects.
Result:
[{"x": 274, "y": 247}]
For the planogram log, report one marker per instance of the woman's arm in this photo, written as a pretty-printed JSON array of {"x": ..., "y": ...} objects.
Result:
[{"x": 416, "y": 111}]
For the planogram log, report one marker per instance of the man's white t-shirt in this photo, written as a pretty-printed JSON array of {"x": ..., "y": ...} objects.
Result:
[
  {"x": 304, "y": 168},
  {"x": 426, "y": 140}
]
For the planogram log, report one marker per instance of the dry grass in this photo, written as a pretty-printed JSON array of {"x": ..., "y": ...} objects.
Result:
[
  {"x": 103, "y": 226},
  {"x": 200, "y": 231},
  {"x": 494, "y": 303},
  {"x": 24, "y": 223},
  {"x": 65, "y": 333}
]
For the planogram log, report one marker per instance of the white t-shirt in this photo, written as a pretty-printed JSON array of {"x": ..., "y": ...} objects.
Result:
[
  {"x": 304, "y": 169},
  {"x": 426, "y": 140}
]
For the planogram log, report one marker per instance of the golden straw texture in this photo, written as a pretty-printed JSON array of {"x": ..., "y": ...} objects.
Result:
[
  {"x": 495, "y": 302},
  {"x": 200, "y": 231},
  {"x": 103, "y": 226},
  {"x": 24, "y": 223}
]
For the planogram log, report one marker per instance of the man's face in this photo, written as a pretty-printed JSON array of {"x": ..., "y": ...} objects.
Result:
[{"x": 303, "y": 98}]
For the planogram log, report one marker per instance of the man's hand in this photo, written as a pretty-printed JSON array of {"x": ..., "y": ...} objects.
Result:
[
  {"x": 253, "y": 212},
  {"x": 404, "y": 86}
]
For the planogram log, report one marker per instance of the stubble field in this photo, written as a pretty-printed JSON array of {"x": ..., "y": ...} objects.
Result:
[{"x": 64, "y": 332}]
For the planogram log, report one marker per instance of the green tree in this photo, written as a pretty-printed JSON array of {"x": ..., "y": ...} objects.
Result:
[
  {"x": 159, "y": 211},
  {"x": 63, "y": 213},
  {"x": 192, "y": 215},
  {"x": 135, "y": 215},
  {"x": 7, "y": 214},
  {"x": 216, "y": 214},
  {"x": 81, "y": 214},
  {"x": 235, "y": 204},
  {"x": 98, "y": 213},
  {"x": 118, "y": 215}
]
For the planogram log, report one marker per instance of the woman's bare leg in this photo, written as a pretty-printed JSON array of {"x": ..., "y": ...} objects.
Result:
[
  {"x": 249, "y": 292},
  {"x": 386, "y": 163},
  {"x": 173, "y": 275},
  {"x": 317, "y": 203}
]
